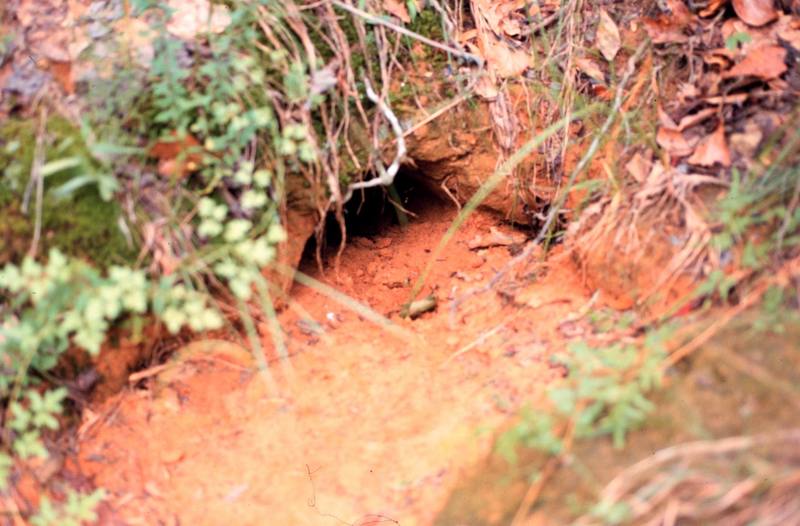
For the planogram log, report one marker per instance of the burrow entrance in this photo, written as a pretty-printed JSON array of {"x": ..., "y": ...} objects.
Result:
[
  {"x": 375, "y": 211},
  {"x": 412, "y": 198}
]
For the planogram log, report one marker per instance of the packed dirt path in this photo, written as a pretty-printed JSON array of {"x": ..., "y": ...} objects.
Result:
[{"x": 367, "y": 427}]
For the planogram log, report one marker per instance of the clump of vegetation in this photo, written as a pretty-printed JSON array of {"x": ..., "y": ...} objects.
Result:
[
  {"x": 77, "y": 214},
  {"x": 604, "y": 393}
]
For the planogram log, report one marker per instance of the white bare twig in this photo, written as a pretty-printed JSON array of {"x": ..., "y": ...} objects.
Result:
[{"x": 385, "y": 176}]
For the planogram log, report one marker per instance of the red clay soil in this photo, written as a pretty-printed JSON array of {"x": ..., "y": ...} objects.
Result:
[{"x": 366, "y": 428}]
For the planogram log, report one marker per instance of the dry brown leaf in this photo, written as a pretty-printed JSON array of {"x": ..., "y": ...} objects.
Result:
[
  {"x": 640, "y": 165},
  {"x": 718, "y": 57},
  {"x": 712, "y": 149},
  {"x": 673, "y": 142},
  {"x": 62, "y": 72},
  {"x": 500, "y": 57},
  {"x": 178, "y": 157},
  {"x": 784, "y": 28},
  {"x": 756, "y": 12},
  {"x": 50, "y": 43},
  {"x": 765, "y": 62},
  {"x": 397, "y": 9},
  {"x": 590, "y": 68},
  {"x": 712, "y": 8},
  {"x": 789, "y": 32},
  {"x": 696, "y": 118},
  {"x": 608, "y": 39},
  {"x": 662, "y": 31},
  {"x": 680, "y": 13},
  {"x": 507, "y": 62},
  {"x": 669, "y": 28},
  {"x": 499, "y": 16}
]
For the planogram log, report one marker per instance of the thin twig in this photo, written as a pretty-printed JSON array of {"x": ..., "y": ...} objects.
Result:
[
  {"x": 385, "y": 175},
  {"x": 593, "y": 147}
]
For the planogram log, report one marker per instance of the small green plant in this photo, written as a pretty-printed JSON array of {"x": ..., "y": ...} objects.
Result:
[
  {"x": 29, "y": 419},
  {"x": 78, "y": 509},
  {"x": 48, "y": 307},
  {"x": 737, "y": 39},
  {"x": 759, "y": 218},
  {"x": 604, "y": 393}
]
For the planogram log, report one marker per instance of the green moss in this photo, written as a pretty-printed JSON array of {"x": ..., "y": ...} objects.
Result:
[
  {"x": 81, "y": 225},
  {"x": 428, "y": 23}
]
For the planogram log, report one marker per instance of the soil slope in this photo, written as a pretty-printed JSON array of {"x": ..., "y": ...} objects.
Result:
[{"x": 365, "y": 427}]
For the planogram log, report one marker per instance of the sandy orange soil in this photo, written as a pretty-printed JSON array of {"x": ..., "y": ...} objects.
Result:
[{"x": 364, "y": 427}]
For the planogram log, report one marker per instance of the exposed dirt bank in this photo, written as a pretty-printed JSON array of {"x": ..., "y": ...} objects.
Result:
[{"x": 370, "y": 428}]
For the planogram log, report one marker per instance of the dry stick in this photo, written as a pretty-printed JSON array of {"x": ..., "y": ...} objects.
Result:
[
  {"x": 544, "y": 23},
  {"x": 394, "y": 27},
  {"x": 731, "y": 497},
  {"x": 586, "y": 159}
]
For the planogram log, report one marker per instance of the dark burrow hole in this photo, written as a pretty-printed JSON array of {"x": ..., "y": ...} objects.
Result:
[{"x": 372, "y": 212}]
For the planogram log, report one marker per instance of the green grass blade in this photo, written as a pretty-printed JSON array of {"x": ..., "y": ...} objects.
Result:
[{"x": 497, "y": 177}]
